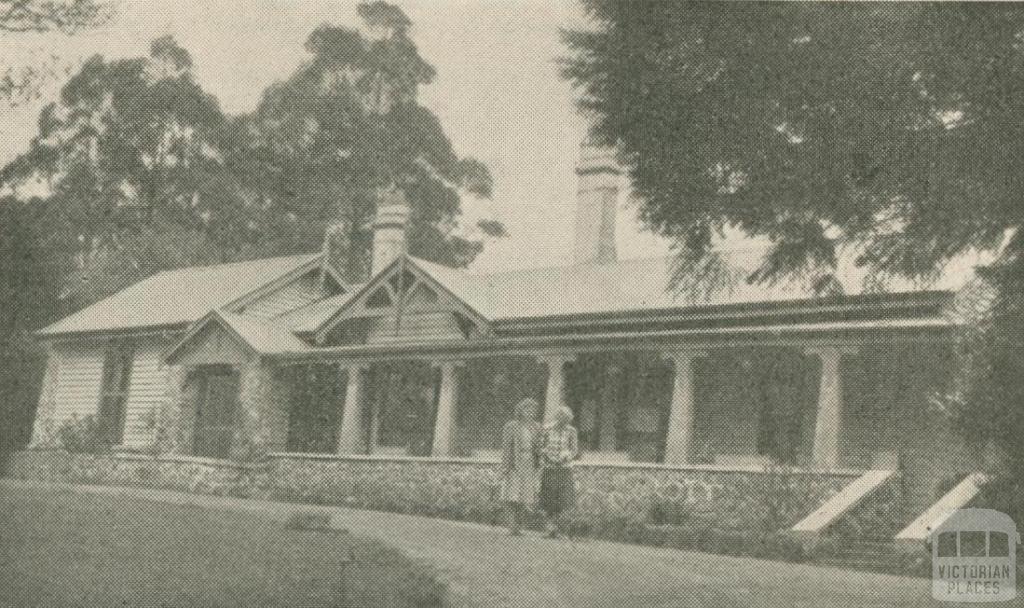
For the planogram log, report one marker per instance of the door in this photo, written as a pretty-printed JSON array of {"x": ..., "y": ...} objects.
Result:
[{"x": 215, "y": 413}]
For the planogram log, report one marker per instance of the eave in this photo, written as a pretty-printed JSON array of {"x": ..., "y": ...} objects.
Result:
[
  {"x": 929, "y": 330},
  {"x": 117, "y": 332},
  {"x": 917, "y": 303}
]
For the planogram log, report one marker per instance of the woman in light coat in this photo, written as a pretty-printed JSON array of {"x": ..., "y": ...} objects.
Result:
[{"x": 520, "y": 463}]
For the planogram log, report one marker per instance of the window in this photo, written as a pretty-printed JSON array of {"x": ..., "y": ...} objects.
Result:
[
  {"x": 947, "y": 544},
  {"x": 117, "y": 372},
  {"x": 998, "y": 544},
  {"x": 972, "y": 544}
]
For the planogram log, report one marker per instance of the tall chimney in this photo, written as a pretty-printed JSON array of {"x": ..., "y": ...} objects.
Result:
[
  {"x": 389, "y": 229},
  {"x": 597, "y": 198}
]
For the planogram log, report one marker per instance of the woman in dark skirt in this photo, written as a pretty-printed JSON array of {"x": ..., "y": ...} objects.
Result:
[{"x": 559, "y": 448}]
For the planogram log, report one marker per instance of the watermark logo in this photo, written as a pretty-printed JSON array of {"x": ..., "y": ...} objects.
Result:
[{"x": 974, "y": 557}]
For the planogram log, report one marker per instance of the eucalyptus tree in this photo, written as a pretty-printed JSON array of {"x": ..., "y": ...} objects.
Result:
[
  {"x": 125, "y": 163},
  {"x": 347, "y": 125}
]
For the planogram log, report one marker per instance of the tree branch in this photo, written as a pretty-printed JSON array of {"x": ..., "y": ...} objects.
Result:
[{"x": 67, "y": 16}]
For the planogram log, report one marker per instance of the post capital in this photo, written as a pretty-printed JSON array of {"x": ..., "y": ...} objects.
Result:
[
  {"x": 682, "y": 356},
  {"x": 556, "y": 358},
  {"x": 448, "y": 365},
  {"x": 831, "y": 351}
]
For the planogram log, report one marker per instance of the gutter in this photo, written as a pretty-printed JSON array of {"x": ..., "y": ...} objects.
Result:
[
  {"x": 935, "y": 330},
  {"x": 121, "y": 332}
]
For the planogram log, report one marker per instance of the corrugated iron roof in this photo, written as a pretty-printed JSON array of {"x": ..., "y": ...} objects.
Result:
[
  {"x": 309, "y": 317},
  {"x": 178, "y": 297},
  {"x": 645, "y": 284},
  {"x": 264, "y": 336}
]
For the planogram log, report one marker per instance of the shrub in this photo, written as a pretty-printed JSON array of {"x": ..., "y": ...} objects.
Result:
[
  {"x": 782, "y": 546},
  {"x": 779, "y": 497},
  {"x": 669, "y": 512},
  {"x": 731, "y": 542},
  {"x": 82, "y": 436},
  {"x": 308, "y": 521}
]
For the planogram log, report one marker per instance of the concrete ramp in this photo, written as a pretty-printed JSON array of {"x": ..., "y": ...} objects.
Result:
[{"x": 957, "y": 498}]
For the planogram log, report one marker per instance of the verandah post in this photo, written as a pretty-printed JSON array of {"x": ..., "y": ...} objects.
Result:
[
  {"x": 446, "y": 399},
  {"x": 830, "y": 405},
  {"x": 679, "y": 440},
  {"x": 554, "y": 396},
  {"x": 349, "y": 437}
]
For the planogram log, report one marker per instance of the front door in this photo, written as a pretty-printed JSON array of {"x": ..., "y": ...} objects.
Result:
[{"x": 215, "y": 413}]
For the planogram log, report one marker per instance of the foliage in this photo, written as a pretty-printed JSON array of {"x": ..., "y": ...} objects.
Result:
[
  {"x": 673, "y": 512},
  {"x": 68, "y": 16},
  {"x": 308, "y": 520},
  {"x": 886, "y": 133},
  {"x": 83, "y": 436},
  {"x": 323, "y": 143},
  {"x": 26, "y": 290},
  {"x": 21, "y": 83},
  {"x": 144, "y": 171}
]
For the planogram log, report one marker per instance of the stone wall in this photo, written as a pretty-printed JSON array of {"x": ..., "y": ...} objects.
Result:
[
  {"x": 879, "y": 516},
  {"x": 181, "y": 473},
  {"x": 451, "y": 488},
  {"x": 457, "y": 488},
  {"x": 729, "y": 498}
]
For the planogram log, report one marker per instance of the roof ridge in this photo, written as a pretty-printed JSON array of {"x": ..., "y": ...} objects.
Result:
[
  {"x": 235, "y": 263},
  {"x": 650, "y": 258},
  {"x": 564, "y": 266}
]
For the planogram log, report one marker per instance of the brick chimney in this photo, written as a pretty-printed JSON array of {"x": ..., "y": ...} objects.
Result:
[
  {"x": 389, "y": 229},
  {"x": 598, "y": 173}
]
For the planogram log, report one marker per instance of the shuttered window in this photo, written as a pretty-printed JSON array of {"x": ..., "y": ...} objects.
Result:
[{"x": 117, "y": 372}]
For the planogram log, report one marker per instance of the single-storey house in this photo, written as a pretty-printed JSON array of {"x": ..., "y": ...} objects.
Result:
[{"x": 684, "y": 384}]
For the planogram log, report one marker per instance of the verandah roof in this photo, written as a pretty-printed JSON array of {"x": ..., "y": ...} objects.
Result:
[{"x": 826, "y": 333}]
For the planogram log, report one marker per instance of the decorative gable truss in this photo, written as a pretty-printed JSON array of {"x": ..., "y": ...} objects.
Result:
[
  {"x": 298, "y": 288},
  {"x": 403, "y": 303}
]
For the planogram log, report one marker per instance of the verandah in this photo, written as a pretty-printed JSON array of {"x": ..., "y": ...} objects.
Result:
[{"x": 729, "y": 406}]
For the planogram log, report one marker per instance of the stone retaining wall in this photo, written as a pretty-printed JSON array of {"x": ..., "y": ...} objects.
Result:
[
  {"x": 464, "y": 489},
  {"x": 880, "y": 516},
  {"x": 185, "y": 474}
]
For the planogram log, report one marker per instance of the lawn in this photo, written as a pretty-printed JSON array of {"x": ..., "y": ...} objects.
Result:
[{"x": 59, "y": 548}]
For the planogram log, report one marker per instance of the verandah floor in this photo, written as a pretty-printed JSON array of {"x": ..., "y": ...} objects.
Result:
[{"x": 485, "y": 568}]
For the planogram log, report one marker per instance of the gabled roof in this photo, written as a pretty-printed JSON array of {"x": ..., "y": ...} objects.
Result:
[
  {"x": 178, "y": 297},
  {"x": 261, "y": 336},
  {"x": 422, "y": 272}
]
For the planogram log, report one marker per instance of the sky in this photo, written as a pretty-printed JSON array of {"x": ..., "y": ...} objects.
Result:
[{"x": 497, "y": 93}]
